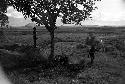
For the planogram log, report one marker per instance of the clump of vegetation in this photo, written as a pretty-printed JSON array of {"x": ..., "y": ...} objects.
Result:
[
  {"x": 15, "y": 78},
  {"x": 61, "y": 60},
  {"x": 118, "y": 43},
  {"x": 80, "y": 46},
  {"x": 21, "y": 56}
]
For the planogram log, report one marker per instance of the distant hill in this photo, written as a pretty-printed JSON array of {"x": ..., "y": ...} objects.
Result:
[
  {"x": 30, "y": 25},
  {"x": 18, "y": 21}
]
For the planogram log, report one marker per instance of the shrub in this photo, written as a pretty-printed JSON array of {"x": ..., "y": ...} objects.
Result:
[
  {"x": 32, "y": 56},
  {"x": 61, "y": 60},
  {"x": 26, "y": 56},
  {"x": 9, "y": 59}
]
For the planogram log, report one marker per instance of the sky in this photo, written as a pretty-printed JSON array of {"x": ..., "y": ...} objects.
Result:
[{"x": 109, "y": 12}]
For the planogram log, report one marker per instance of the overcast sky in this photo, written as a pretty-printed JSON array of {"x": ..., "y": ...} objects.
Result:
[{"x": 109, "y": 12}]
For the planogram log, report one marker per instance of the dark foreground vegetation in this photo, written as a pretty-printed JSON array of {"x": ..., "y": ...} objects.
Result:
[{"x": 25, "y": 65}]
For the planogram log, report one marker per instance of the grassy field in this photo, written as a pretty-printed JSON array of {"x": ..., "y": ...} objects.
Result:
[{"x": 108, "y": 67}]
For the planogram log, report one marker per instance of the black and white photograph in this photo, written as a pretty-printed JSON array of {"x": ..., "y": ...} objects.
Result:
[{"x": 62, "y": 41}]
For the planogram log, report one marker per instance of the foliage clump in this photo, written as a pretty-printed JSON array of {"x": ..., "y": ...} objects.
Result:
[{"x": 21, "y": 56}]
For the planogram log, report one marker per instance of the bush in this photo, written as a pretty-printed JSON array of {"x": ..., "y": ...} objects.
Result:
[
  {"x": 26, "y": 56},
  {"x": 32, "y": 57},
  {"x": 9, "y": 59},
  {"x": 61, "y": 60}
]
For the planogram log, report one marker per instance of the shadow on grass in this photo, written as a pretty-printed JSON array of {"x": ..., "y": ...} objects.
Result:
[{"x": 32, "y": 64}]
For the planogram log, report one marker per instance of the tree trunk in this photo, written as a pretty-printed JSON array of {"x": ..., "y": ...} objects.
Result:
[
  {"x": 52, "y": 45},
  {"x": 34, "y": 37}
]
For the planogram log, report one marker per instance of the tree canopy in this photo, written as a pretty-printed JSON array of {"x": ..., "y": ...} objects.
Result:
[
  {"x": 46, "y": 12},
  {"x": 3, "y": 19},
  {"x": 3, "y": 10},
  {"x": 3, "y": 6}
]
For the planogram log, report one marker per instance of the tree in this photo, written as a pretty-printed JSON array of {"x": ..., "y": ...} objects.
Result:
[
  {"x": 3, "y": 19},
  {"x": 46, "y": 12},
  {"x": 3, "y": 10},
  {"x": 3, "y": 6},
  {"x": 3, "y": 22}
]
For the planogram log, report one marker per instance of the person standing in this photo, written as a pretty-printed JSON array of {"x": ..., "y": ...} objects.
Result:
[
  {"x": 91, "y": 42},
  {"x": 34, "y": 36}
]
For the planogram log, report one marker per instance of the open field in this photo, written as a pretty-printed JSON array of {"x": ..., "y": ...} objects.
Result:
[
  {"x": 70, "y": 34},
  {"x": 68, "y": 29},
  {"x": 108, "y": 67}
]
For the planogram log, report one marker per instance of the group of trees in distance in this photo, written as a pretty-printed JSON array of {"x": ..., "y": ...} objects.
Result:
[{"x": 45, "y": 12}]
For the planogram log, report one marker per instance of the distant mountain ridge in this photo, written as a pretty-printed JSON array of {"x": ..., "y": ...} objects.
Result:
[
  {"x": 30, "y": 25},
  {"x": 18, "y": 21}
]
